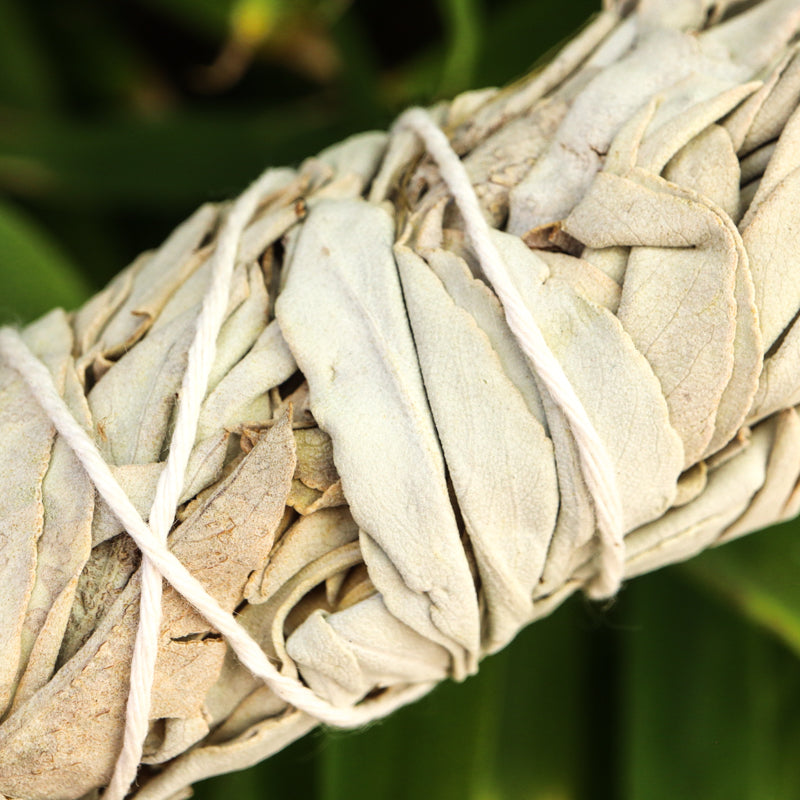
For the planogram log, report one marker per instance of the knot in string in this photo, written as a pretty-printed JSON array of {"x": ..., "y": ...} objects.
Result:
[{"x": 158, "y": 562}]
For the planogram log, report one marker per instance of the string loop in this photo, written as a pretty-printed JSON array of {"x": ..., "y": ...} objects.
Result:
[{"x": 159, "y": 563}]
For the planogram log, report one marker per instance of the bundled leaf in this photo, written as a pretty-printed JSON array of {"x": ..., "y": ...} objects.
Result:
[{"x": 382, "y": 487}]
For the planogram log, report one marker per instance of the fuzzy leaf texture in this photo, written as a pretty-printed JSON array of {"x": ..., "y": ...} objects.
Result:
[{"x": 381, "y": 487}]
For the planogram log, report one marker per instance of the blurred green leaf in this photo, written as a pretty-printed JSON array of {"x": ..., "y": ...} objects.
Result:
[
  {"x": 760, "y": 575},
  {"x": 131, "y": 163},
  {"x": 696, "y": 702},
  {"x": 711, "y": 704},
  {"x": 359, "y": 91},
  {"x": 35, "y": 275},
  {"x": 463, "y": 20},
  {"x": 210, "y": 17},
  {"x": 26, "y": 79},
  {"x": 98, "y": 61},
  {"x": 520, "y": 34},
  {"x": 499, "y": 43}
]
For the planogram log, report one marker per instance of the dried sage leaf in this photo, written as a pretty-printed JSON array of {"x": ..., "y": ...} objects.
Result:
[
  {"x": 343, "y": 259},
  {"x": 83, "y": 705},
  {"x": 498, "y": 455}
]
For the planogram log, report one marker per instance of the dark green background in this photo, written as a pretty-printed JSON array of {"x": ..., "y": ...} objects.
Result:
[{"x": 113, "y": 128}]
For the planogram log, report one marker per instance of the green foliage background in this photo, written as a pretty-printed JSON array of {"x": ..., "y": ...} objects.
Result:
[{"x": 118, "y": 119}]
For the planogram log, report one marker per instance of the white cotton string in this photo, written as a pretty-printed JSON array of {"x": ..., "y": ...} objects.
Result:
[
  {"x": 200, "y": 360},
  {"x": 598, "y": 471},
  {"x": 16, "y": 354},
  {"x": 152, "y": 539}
]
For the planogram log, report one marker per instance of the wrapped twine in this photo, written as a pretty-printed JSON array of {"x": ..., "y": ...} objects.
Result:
[{"x": 384, "y": 410}]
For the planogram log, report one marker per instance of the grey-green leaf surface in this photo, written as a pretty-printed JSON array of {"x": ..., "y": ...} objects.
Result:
[
  {"x": 105, "y": 145},
  {"x": 515, "y": 730}
]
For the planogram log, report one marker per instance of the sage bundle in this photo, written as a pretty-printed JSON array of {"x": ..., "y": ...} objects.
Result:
[{"x": 456, "y": 379}]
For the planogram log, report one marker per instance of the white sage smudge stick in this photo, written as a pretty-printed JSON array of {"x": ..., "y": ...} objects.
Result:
[{"x": 416, "y": 432}]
